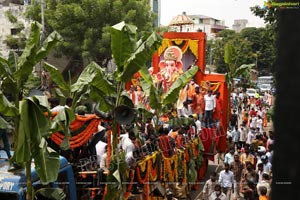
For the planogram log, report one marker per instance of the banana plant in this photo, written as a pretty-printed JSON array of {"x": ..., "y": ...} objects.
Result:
[
  {"x": 130, "y": 55},
  {"x": 31, "y": 127},
  {"x": 162, "y": 102}
]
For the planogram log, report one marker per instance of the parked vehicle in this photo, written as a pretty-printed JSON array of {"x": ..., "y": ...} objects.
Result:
[
  {"x": 264, "y": 88},
  {"x": 13, "y": 184},
  {"x": 251, "y": 92},
  {"x": 264, "y": 80}
]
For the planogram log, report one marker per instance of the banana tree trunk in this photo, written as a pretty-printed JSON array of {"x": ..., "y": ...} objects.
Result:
[{"x": 29, "y": 188}]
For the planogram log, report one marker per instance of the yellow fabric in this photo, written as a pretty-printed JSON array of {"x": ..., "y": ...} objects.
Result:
[{"x": 190, "y": 44}]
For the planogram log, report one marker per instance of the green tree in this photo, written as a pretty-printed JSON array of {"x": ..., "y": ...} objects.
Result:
[
  {"x": 230, "y": 58},
  {"x": 31, "y": 127},
  {"x": 252, "y": 45},
  {"x": 85, "y": 25},
  {"x": 269, "y": 36},
  {"x": 130, "y": 55}
]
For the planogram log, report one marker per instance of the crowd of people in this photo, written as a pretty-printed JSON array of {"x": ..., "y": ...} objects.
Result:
[
  {"x": 247, "y": 162},
  {"x": 247, "y": 172}
]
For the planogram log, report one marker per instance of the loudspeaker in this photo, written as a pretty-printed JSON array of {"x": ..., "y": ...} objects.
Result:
[
  {"x": 101, "y": 114},
  {"x": 123, "y": 114}
]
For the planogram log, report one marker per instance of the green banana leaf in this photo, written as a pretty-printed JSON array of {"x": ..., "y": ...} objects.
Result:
[
  {"x": 144, "y": 52},
  {"x": 34, "y": 126},
  {"x": 122, "y": 43},
  {"x": 56, "y": 76},
  {"x": 92, "y": 75},
  {"x": 7, "y": 108},
  {"x": 128, "y": 54},
  {"x": 172, "y": 94},
  {"x": 32, "y": 53},
  {"x": 178, "y": 121}
]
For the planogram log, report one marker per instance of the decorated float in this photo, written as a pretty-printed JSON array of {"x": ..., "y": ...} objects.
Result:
[{"x": 155, "y": 172}]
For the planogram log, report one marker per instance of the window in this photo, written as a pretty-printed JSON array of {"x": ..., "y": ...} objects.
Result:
[{"x": 14, "y": 31}]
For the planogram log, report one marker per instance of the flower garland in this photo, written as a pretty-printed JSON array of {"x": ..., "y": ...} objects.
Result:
[
  {"x": 154, "y": 167},
  {"x": 130, "y": 177},
  {"x": 81, "y": 138},
  {"x": 148, "y": 169},
  {"x": 142, "y": 172},
  {"x": 169, "y": 164}
]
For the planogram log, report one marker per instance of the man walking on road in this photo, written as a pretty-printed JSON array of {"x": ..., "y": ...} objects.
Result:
[
  {"x": 226, "y": 179},
  {"x": 209, "y": 186},
  {"x": 237, "y": 167},
  {"x": 218, "y": 194}
]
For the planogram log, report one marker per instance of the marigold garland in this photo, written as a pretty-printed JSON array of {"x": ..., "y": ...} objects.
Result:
[
  {"x": 153, "y": 167},
  {"x": 109, "y": 147},
  {"x": 139, "y": 172},
  {"x": 81, "y": 138}
]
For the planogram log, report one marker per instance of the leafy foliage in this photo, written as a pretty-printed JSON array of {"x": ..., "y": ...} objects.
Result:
[
  {"x": 252, "y": 45},
  {"x": 85, "y": 25},
  {"x": 31, "y": 127}
]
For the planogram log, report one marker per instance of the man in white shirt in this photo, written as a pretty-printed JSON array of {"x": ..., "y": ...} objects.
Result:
[
  {"x": 210, "y": 105},
  {"x": 243, "y": 135},
  {"x": 229, "y": 156},
  {"x": 55, "y": 106},
  {"x": 226, "y": 179},
  {"x": 209, "y": 186},
  {"x": 265, "y": 183},
  {"x": 129, "y": 147},
  {"x": 186, "y": 110},
  {"x": 218, "y": 194}
]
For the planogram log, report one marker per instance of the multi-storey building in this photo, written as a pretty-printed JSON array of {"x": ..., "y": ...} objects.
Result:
[
  {"x": 196, "y": 23},
  {"x": 11, "y": 29},
  {"x": 156, "y": 9},
  {"x": 209, "y": 25},
  {"x": 239, "y": 24}
]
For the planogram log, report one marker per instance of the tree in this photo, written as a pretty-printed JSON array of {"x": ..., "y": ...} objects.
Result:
[
  {"x": 85, "y": 25},
  {"x": 233, "y": 71},
  {"x": 130, "y": 55},
  {"x": 253, "y": 45},
  {"x": 269, "y": 36},
  {"x": 31, "y": 127}
]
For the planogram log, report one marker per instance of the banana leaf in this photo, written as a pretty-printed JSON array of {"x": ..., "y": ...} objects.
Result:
[{"x": 172, "y": 94}]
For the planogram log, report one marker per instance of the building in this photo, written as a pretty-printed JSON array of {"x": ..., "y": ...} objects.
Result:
[
  {"x": 11, "y": 29},
  {"x": 209, "y": 25},
  {"x": 197, "y": 23},
  {"x": 156, "y": 9},
  {"x": 239, "y": 24}
]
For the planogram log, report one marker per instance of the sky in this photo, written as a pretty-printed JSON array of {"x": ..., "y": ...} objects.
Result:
[{"x": 227, "y": 10}]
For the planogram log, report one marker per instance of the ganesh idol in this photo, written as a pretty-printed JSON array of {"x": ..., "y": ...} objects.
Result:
[{"x": 170, "y": 67}]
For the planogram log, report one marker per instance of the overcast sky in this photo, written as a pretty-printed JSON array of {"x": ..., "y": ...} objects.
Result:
[{"x": 227, "y": 10}]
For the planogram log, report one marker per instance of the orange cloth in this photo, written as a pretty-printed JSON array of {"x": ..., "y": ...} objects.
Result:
[
  {"x": 265, "y": 121},
  {"x": 174, "y": 134},
  {"x": 263, "y": 198},
  {"x": 198, "y": 103},
  {"x": 165, "y": 145},
  {"x": 179, "y": 141},
  {"x": 191, "y": 91},
  {"x": 218, "y": 110}
]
